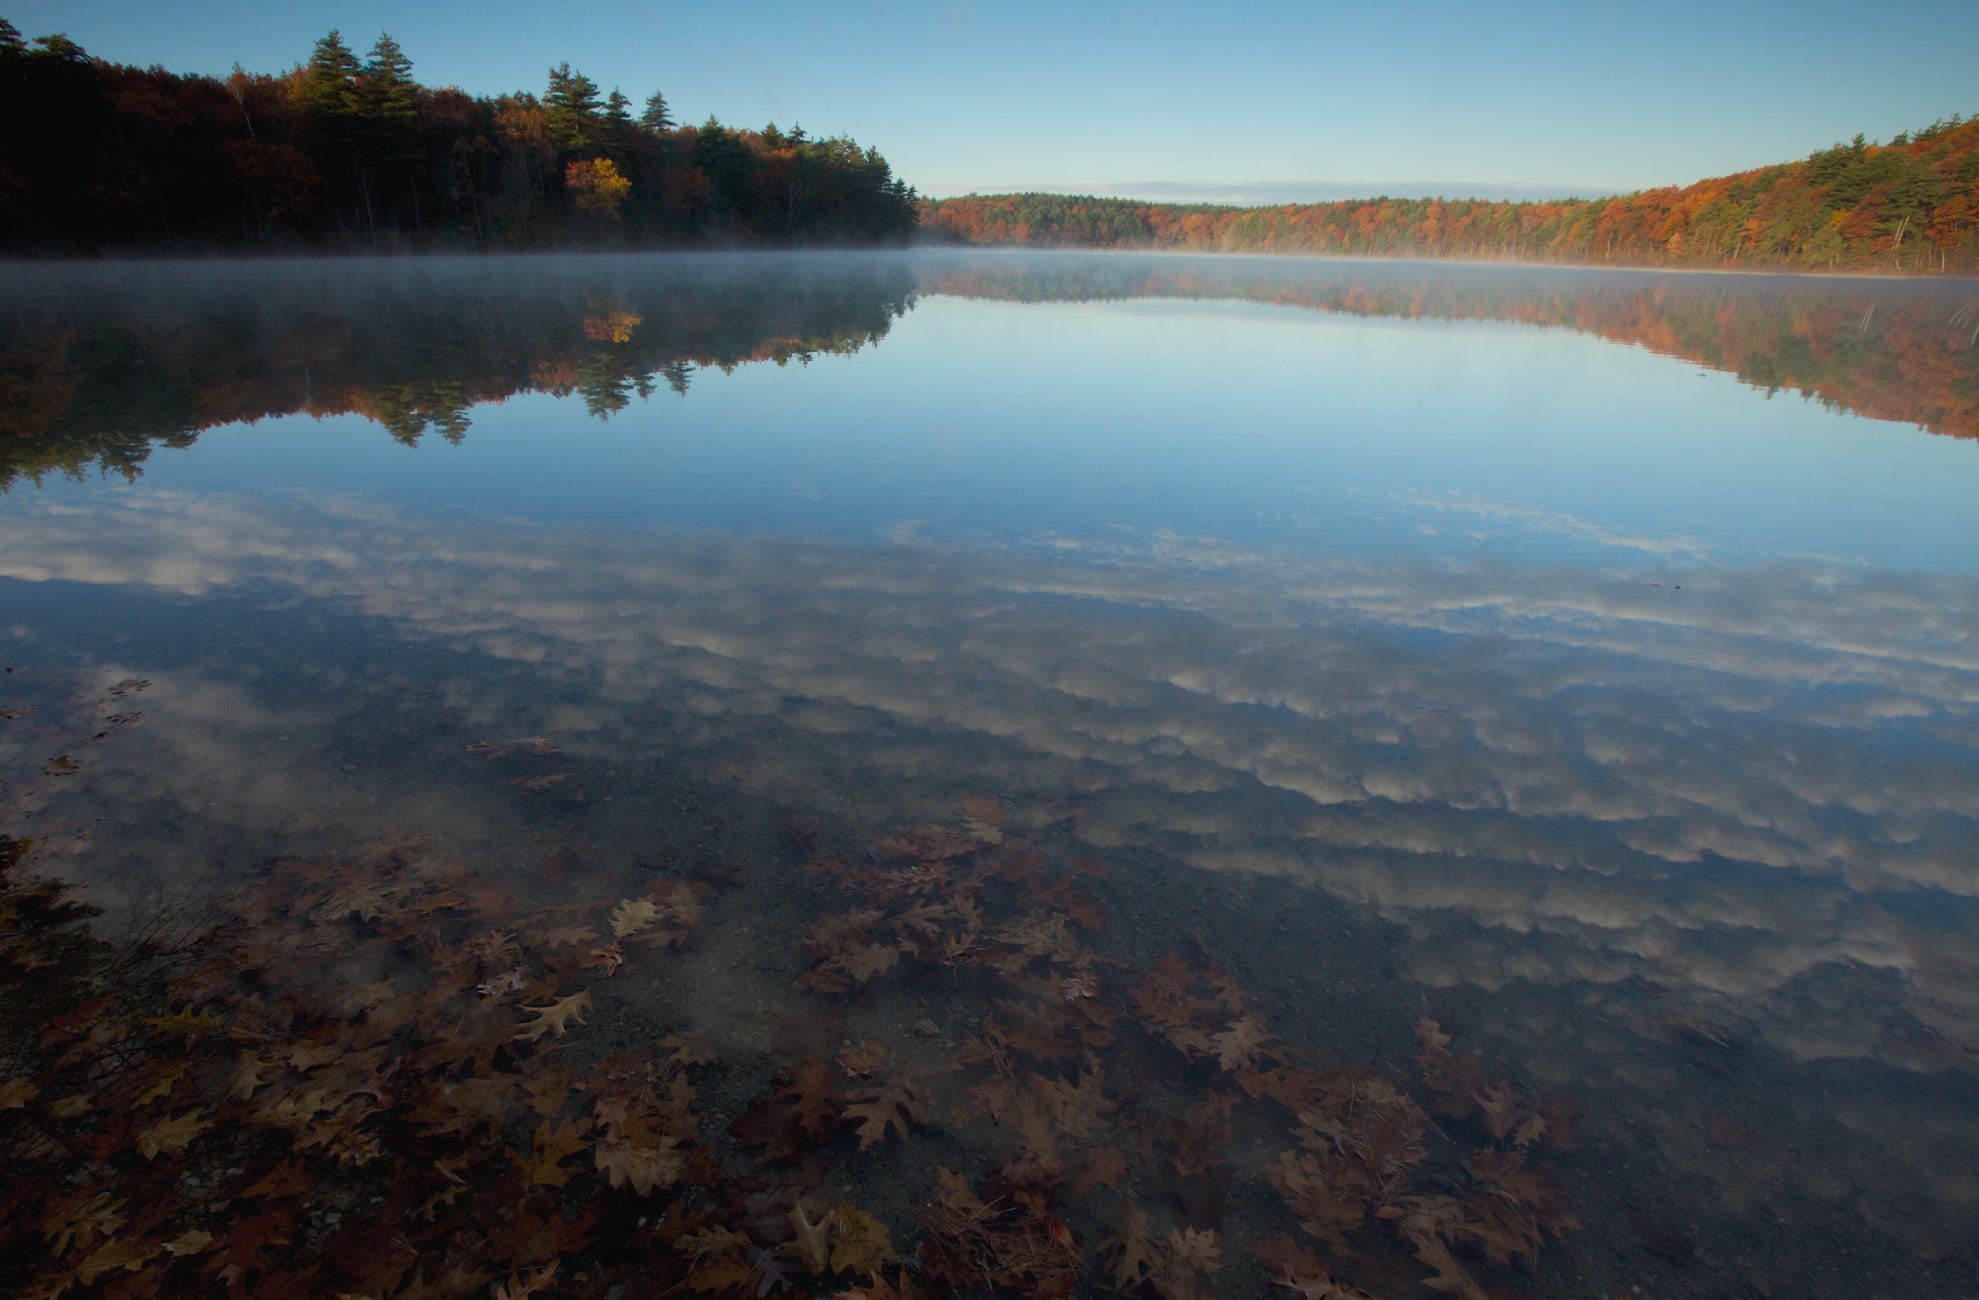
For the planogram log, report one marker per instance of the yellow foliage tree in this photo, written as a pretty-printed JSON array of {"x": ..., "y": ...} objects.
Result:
[{"x": 597, "y": 186}]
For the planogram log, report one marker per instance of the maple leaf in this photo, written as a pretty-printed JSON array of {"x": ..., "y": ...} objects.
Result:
[
  {"x": 555, "y": 1018},
  {"x": 1197, "y": 1251},
  {"x": 633, "y": 915},
  {"x": 641, "y": 1167},
  {"x": 81, "y": 1221},
  {"x": 170, "y": 1135}
]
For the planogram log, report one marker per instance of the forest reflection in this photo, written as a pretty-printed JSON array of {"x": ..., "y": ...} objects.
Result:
[
  {"x": 100, "y": 363},
  {"x": 1903, "y": 350}
]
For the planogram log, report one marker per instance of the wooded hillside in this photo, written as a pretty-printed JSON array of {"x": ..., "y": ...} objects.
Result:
[{"x": 1911, "y": 205}]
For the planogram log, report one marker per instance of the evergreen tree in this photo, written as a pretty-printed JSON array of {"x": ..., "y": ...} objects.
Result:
[
  {"x": 390, "y": 95},
  {"x": 656, "y": 118},
  {"x": 618, "y": 116},
  {"x": 329, "y": 81},
  {"x": 571, "y": 108}
]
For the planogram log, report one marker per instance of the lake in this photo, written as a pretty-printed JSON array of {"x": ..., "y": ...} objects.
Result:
[{"x": 1163, "y": 774}]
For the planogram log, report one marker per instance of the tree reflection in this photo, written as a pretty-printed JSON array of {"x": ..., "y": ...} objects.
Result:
[
  {"x": 1891, "y": 350},
  {"x": 97, "y": 368}
]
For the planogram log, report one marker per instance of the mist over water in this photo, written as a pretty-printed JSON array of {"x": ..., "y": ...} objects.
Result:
[{"x": 1586, "y": 661}]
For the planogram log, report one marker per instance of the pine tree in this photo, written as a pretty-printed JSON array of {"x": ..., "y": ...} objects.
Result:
[
  {"x": 329, "y": 81},
  {"x": 571, "y": 108},
  {"x": 656, "y": 118}
]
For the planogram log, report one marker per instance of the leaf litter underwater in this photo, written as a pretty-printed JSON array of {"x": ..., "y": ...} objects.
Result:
[{"x": 387, "y": 1076}]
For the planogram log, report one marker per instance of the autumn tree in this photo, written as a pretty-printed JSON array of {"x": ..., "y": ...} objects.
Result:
[{"x": 597, "y": 186}]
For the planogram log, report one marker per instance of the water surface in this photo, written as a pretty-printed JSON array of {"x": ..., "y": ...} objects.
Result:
[{"x": 1583, "y": 661}]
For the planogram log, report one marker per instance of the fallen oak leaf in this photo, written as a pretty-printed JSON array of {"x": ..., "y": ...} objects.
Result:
[
  {"x": 555, "y": 1018},
  {"x": 608, "y": 959},
  {"x": 170, "y": 1135},
  {"x": 633, "y": 915},
  {"x": 60, "y": 765},
  {"x": 893, "y": 1106},
  {"x": 16, "y": 1093},
  {"x": 538, "y": 784}
]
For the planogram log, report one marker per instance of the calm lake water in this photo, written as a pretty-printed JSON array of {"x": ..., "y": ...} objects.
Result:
[{"x": 1587, "y": 662}]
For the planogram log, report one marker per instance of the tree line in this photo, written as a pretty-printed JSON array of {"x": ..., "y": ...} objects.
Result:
[
  {"x": 1911, "y": 205},
  {"x": 343, "y": 151}
]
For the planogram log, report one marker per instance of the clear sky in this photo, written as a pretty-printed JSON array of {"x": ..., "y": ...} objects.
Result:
[{"x": 1255, "y": 102}]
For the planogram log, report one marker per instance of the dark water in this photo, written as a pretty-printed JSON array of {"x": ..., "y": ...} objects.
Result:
[{"x": 1583, "y": 661}]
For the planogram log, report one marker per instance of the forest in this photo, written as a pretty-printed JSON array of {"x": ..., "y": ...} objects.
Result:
[
  {"x": 349, "y": 153},
  {"x": 1910, "y": 206}
]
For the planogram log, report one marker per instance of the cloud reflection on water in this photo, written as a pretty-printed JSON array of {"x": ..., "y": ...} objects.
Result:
[{"x": 1548, "y": 775}]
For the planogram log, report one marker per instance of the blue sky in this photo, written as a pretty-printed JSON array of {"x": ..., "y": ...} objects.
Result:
[{"x": 1258, "y": 102}]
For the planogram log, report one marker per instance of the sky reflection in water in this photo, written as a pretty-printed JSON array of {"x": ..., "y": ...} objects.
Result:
[{"x": 1622, "y": 692}]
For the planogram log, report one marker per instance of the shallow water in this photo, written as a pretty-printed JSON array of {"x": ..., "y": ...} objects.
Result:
[{"x": 1584, "y": 661}]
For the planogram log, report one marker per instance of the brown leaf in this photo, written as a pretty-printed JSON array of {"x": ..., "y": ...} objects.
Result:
[
  {"x": 170, "y": 1135},
  {"x": 641, "y": 1167},
  {"x": 552, "y": 1144},
  {"x": 893, "y": 1106},
  {"x": 555, "y": 1018},
  {"x": 60, "y": 765}
]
